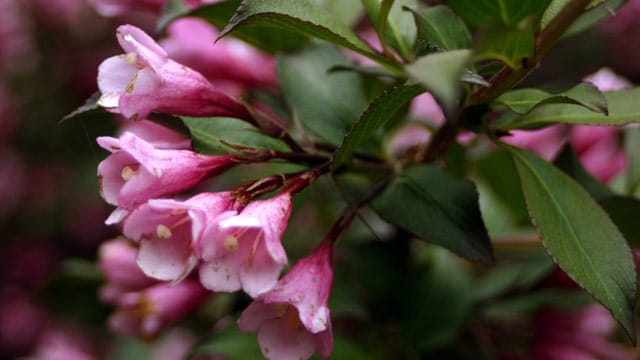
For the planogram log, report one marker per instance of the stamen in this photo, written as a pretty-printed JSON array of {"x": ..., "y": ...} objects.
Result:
[
  {"x": 128, "y": 172},
  {"x": 131, "y": 59},
  {"x": 129, "y": 88},
  {"x": 254, "y": 248},
  {"x": 180, "y": 222},
  {"x": 231, "y": 243},
  {"x": 163, "y": 232}
]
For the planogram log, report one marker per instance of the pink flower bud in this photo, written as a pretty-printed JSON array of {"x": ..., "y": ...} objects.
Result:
[
  {"x": 293, "y": 320},
  {"x": 118, "y": 7},
  {"x": 144, "y": 79},
  {"x": 244, "y": 251},
  {"x": 159, "y": 136},
  {"x": 117, "y": 260},
  {"x": 167, "y": 231},
  {"x": 145, "y": 313},
  {"x": 137, "y": 171},
  {"x": 192, "y": 42}
]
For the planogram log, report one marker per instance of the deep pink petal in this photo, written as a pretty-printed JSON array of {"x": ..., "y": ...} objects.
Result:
[{"x": 280, "y": 341}]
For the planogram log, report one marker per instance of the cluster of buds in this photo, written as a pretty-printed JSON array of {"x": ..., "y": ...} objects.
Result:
[{"x": 176, "y": 249}]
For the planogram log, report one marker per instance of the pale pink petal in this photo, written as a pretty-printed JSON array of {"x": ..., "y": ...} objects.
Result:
[
  {"x": 116, "y": 216},
  {"x": 114, "y": 75},
  {"x": 221, "y": 275},
  {"x": 280, "y": 341},
  {"x": 254, "y": 314},
  {"x": 134, "y": 40}
]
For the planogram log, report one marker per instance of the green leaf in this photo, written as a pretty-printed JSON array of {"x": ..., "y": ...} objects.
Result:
[
  {"x": 173, "y": 9},
  {"x": 264, "y": 37},
  {"x": 509, "y": 12},
  {"x": 230, "y": 343},
  {"x": 593, "y": 16},
  {"x": 327, "y": 104},
  {"x": 568, "y": 161},
  {"x": 632, "y": 149},
  {"x": 579, "y": 235},
  {"x": 438, "y": 208},
  {"x": 90, "y": 107},
  {"x": 518, "y": 275},
  {"x": 348, "y": 12},
  {"x": 440, "y": 74},
  {"x": 302, "y": 17},
  {"x": 523, "y": 101},
  {"x": 509, "y": 45},
  {"x": 377, "y": 114},
  {"x": 624, "y": 211},
  {"x": 598, "y": 9},
  {"x": 439, "y": 28},
  {"x": 400, "y": 30},
  {"x": 532, "y": 302},
  {"x": 435, "y": 299},
  {"x": 623, "y": 106},
  {"x": 213, "y": 135},
  {"x": 500, "y": 174}
]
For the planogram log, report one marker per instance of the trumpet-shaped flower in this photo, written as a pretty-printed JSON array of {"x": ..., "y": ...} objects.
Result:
[
  {"x": 147, "y": 312},
  {"x": 191, "y": 42},
  {"x": 144, "y": 79},
  {"x": 244, "y": 251},
  {"x": 293, "y": 320},
  {"x": 137, "y": 171},
  {"x": 117, "y": 261},
  {"x": 168, "y": 229}
]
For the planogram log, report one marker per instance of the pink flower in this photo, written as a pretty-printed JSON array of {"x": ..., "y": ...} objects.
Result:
[
  {"x": 117, "y": 260},
  {"x": 137, "y": 171},
  {"x": 145, "y": 80},
  {"x": 580, "y": 334},
  {"x": 168, "y": 229},
  {"x": 293, "y": 320},
  {"x": 192, "y": 42},
  {"x": 118, "y": 7},
  {"x": 545, "y": 142},
  {"x": 244, "y": 251},
  {"x": 145, "y": 313},
  {"x": 599, "y": 147},
  {"x": 156, "y": 134}
]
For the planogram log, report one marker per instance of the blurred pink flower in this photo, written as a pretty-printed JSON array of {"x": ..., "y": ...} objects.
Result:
[
  {"x": 168, "y": 231},
  {"x": 579, "y": 334},
  {"x": 159, "y": 136},
  {"x": 21, "y": 323},
  {"x": 17, "y": 48},
  {"x": 599, "y": 147},
  {"x": 61, "y": 343},
  {"x": 117, "y": 7},
  {"x": 545, "y": 142},
  {"x": 137, "y": 171},
  {"x": 147, "y": 312},
  {"x": 174, "y": 345},
  {"x": 192, "y": 42},
  {"x": 117, "y": 261},
  {"x": 13, "y": 177},
  {"x": 145, "y": 80},
  {"x": 244, "y": 251},
  {"x": 293, "y": 320}
]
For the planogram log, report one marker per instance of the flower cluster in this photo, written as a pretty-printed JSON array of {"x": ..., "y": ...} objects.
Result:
[{"x": 179, "y": 241}]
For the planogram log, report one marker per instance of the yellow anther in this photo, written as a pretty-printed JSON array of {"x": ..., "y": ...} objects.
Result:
[
  {"x": 231, "y": 243},
  {"x": 127, "y": 173},
  {"x": 163, "y": 232},
  {"x": 131, "y": 59}
]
